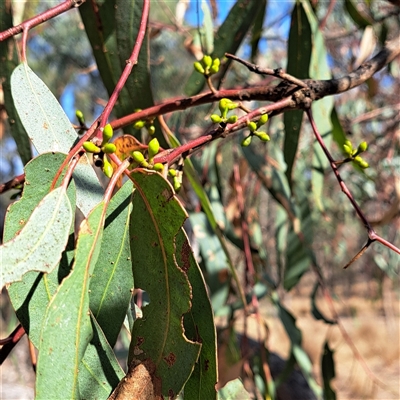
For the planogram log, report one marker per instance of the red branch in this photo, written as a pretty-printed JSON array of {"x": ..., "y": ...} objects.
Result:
[
  {"x": 372, "y": 235},
  {"x": 39, "y": 19},
  {"x": 10, "y": 342}
]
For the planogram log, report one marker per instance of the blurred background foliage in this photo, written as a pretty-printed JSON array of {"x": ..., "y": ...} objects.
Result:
[{"x": 286, "y": 268}]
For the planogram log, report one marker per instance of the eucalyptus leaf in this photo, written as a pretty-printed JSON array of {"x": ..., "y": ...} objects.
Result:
[
  {"x": 66, "y": 329},
  {"x": 50, "y": 130},
  {"x": 112, "y": 276},
  {"x": 31, "y": 296},
  {"x": 156, "y": 219},
  {"x": 38, "y": 246}
]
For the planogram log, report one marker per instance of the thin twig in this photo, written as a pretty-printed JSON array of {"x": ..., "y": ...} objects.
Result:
[
  {"x": 100, "y": 122},
  {"x": 278, "y": 72},
  {"x": 13, "y": 183},
  {"x": 372, "y": 235},
  {"x": 40, "y": 18},
  {"x": 15, "y": 336}
]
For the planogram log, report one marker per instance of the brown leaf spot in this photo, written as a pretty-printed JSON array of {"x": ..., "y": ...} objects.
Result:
[
  {"x": 170, "y": 359},
  {"x": 185, "y": 254},
  {"x": 171, "y": 394},
  {"x": 206, "y": 365}
]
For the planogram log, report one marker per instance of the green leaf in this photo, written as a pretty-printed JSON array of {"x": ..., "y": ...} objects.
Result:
[
  {"x": 273, "y": 179},
  {"x": 338, "y": 133},
  {"x": 289, "y": 323},
  {"x": 299, "y": 55},
  {"x": 256, "y": 32},
  {"x": 112, "y": 277},
  {"x": 227, "y": 39},
  {"x": 100, "y": 372},
  {"x": 360, "y": 19},
  {"x": 8, "y": 61},
  {"x": 100, "y": 26},
  {"x": 208, "y": 28},
  {"x": 298, "y": 258},
  {"x": 127, "y": 25},
  {"x": 199, "y": 326},
  {"x": 158, "y": 336},
  {"x": 50, "y": 130},
  {"x": 67, "y": 330},
  {"x": 31, "y": 296},
  {"x": 322, "y": 109},
  {"x": 38, "y": 246},
  {"x": 214, "y": 259},
  {"x": 233, "y": 390},
  {"x": 328, "y": 372}
]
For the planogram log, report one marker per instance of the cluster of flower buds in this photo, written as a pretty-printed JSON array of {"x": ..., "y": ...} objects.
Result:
[
  {"x": 105, "y": 148},
  {"x": 148, "y": 124},
  {"x": 207, "y": 66},
  {"x": 225, "y": 105},
  {"x": 354, "y": 154},
  {"x": 253, "y": 127},
  {"x": 152, "y": 150}
]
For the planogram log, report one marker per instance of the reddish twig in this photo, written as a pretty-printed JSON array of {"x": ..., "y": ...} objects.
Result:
[
  {"x": 14, "y": 182},
  {"x": 278, "y": 72},
  {"x": 11, "y": 341},
  {"x": 39, "y": 19},
  {"x": 372, "y": 235},
  {"x": 100, "y": 122},
  {"x": 171, "y": 155}
]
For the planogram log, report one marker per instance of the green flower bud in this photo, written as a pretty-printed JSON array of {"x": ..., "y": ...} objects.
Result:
[
  {"x": 216, "y": 63},
  {"x": 107, "y": 168},
  {"x": 207, "y": 60},
  {"x": 151, "y": 129},
  {"x": 198, "y": 67},
  {"x": 139, "y": 124},
  {"x": 361, "y": 162},
  {"x": 264, "y": 137},
  {"x": 177, "y": 184},
  {"x": 91, "y": 147},
  {"x": 215, "y": 118},
  {"x": 158, "y": 167},
  {"x": 232, "y": 119},
  {"x": 154, "y": 148},
  {"x": 263, "y": 120},
  {"x": 138, "y": 156},
  {"x": 363, "y": 146},
  {"x": 107, "y": 133},
  {"x": 109, "y": 148},
  {"x": 347, "y": 149},
  {"x": 172, "y": 172},
  {"x": 213, "y": 70},
  {"x": 79, "y": 115},
  {"x": 246, "y": 141},
  {"x": 223, "y": 105},
  {"x": 232, "y": 105},
  {"x": 252, "y": 126}
]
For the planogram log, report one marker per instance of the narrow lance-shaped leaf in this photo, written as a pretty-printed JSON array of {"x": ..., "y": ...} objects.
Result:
[
  {"x": 67, "y": 329},
  {"x": 100, "y": 372},
  {"x": 299, "y": 54},
  {"x": 199, "y": 326},
  {"x": 127, "y": 18},
  {"x": 158, "y": 336},
  {"x": 328, "y": 372},
  {"x": 38, "y": 246},
  {"x": 319, "y": 69},
  {"x": 8, "y": 61},
  {"x": 50, "y": 130},
  {"x": 100, "y": 26},
  {"x": 112, "y": 277},
  {"x": 31, "y": 295}
]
